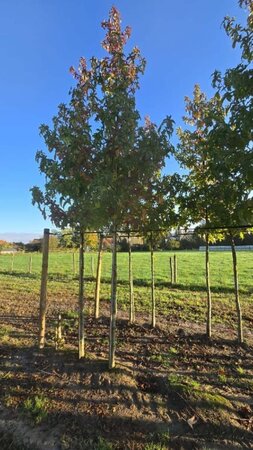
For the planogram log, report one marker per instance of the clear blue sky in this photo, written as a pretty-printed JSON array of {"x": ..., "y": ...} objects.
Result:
[{"x": 182, "y": 41}]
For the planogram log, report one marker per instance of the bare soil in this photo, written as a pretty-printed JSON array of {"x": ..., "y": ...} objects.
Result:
[{"x": 172, "y": 389}]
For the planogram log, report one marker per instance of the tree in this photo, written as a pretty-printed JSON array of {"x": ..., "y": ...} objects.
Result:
[
  {"x": 231, "y": 137},
  {"x": 195, "y": 154},
  {"x": 219, "y": 195},
  {"x": 128, "y": 156},
  {"x": 70, "y": 169}
]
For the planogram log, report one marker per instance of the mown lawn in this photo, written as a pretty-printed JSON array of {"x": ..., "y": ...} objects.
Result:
[
  {"x": 185, "y": 301},
  {"x": 191, "y": 267}
]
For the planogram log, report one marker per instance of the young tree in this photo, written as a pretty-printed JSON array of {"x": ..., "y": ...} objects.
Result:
[
  {"x": 125, "y": 163},
  {"x": 217, "y": 192},
  {"x": 195, "y": 154},
  {"x": 70, "y": 168},
  {"x": 231, "y": 138}
]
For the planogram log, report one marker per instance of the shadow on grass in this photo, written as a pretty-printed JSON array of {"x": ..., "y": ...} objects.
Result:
[{"x": 138, "y": 282}]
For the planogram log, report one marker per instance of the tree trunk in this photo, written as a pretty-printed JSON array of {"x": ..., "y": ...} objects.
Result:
[
  {"x": 81, "y": 298},
  {"x": 237, "y": 299},
  {"x": 175, "y": 269},
  {"x": 98, "y": 278},
  {"x": 43, "y": 290},
  {"x": 208, "y": 289},
  {"x": 131, "y": 285},
  {"x": 113, "y": 313},
  {"x": 153, "y": 321}
]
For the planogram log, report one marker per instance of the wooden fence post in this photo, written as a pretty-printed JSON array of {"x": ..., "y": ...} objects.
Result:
[
  {"x": 43, "y": 290},
  {"x": 175, "y": 269}
]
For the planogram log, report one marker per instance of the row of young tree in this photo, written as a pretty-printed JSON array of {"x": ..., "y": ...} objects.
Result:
[{"x": 104, "y": 166}]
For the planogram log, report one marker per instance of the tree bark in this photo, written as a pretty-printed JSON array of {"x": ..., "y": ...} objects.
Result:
[
  {"x": 131, "y": 285},
  {"x": 43, "y": 290},
  {"x": 81, "y": 298},
  {"x": 113, "y": 312},
  {"x": 208, "y": 290},
  {"x": 237, "y": 298},
  {"x": 153, "y": 321},
  {"x": 98, "y": 277}
]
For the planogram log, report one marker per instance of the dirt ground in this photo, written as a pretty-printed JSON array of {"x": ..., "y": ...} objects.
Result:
[{"x": 172, "y": 389}]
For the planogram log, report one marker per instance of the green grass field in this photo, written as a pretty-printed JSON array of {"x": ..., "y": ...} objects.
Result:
[
  {"x": 191, "y": 267},
  {"x": 185, "y": 301}
]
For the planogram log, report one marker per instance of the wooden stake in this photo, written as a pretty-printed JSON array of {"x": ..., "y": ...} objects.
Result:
[
  {"x": 43, "y": 289},
  {"x": 98, "y": 278},
  {"x": 81, "y": 298},
  {"x": 113, "y": 312}
]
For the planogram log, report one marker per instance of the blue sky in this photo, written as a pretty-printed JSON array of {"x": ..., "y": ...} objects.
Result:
[{"x": 182, "y": 41}]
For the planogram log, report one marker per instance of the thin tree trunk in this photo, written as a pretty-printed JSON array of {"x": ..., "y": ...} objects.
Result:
[
  {"x": 81, "y": 298},
  {"x": 131, "y": 285},
  {"x": 153, "y": 321},
  {"x": 208, "y": 289},
  {"x": 98, "y": 278},
  {"x": 171, "y": 270},
  {"x": 113, "y": 313},
  {"x": 175, "y": 269},
  {"x": 237, "y": 299},
  {"x": 43, "y": 290}
]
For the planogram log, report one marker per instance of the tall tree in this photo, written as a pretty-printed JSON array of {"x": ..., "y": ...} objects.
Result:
[
  {"x": 194, "y": 154},
  {"x": 127, "y": 157},
  {"x": 69, "y": 168}
]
